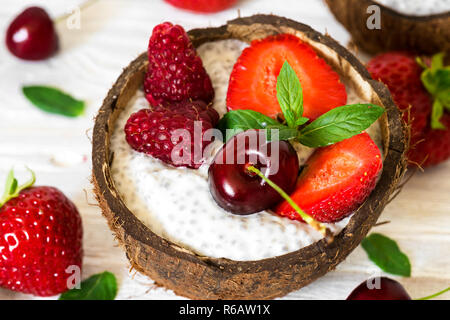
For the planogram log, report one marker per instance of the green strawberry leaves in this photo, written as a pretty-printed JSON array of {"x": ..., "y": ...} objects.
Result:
[
  {"x": 12, "y": 188},
  {"x": 339, "y": 124},
  {"x": 102, "y": 286},
  {"x": 436, "y": 79},
  {"x": 53, "y": 100},
  {"x": 336, "y": 125},
  {"x": 386, "y": 254}
]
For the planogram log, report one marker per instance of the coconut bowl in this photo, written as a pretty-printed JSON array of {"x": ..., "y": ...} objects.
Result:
[
  {"x": 421, "y": 34},
  {"x": 200, "y": 277}
]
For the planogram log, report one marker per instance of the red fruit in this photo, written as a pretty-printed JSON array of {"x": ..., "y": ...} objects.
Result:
[
  {"x": 435, "y": 147},
  {"x": 238, "y": 190},
  {"x": 401, "y": 74},
  {"x": 388, "y": 290},
  {"x": 32, "y": 35},
  {"x": 154, "y": 132},
  {"x": 175, "y": 71},
  {"x": 203, "y": 6},
  {"x": 336, "y": 180},
  {"x": 254, "y": 77},
  {"x": 40, "y": 237}
]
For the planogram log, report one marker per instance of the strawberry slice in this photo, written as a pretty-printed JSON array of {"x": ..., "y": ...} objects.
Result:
[
  {"x": 336, "y": 180},
  {"x": 253, "y": 80}
]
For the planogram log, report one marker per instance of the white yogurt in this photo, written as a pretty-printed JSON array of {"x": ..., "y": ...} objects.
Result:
[
  {"x": 417, "y": 7},
  {"x": 176, "y": 204}
]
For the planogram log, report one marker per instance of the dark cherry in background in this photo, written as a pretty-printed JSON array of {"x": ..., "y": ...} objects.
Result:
[
  {"x": 389, "y": 290},
  {"x": 31, "y": 35},
  {"x": 239, "y": 191}
]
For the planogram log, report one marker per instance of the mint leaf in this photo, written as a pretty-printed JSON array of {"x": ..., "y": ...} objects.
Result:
[
  {"x": 339, "y": 124},
  {"x": 236, "y": 121},
  {"x": 102, "y": 286},
  {"x": 53, "y": 100},
  {"x": 386, "y": 254},
  {"x": 290, "y": 95}
]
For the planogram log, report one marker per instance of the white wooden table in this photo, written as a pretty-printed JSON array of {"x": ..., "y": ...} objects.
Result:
[{"x": 112, "y": 33}]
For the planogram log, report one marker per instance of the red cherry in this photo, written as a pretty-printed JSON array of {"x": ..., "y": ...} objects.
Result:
[
  {"x": 240, "y": 191},
  {"x": 388, "y": 290},
  {"x": 32, "y": 35}
]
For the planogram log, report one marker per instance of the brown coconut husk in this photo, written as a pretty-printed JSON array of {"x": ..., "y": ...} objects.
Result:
[
  {"x": 419, "y": 34},
  {"x": 200, "y": 277}
]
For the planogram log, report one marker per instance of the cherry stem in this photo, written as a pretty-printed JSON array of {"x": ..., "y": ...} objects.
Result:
[
  {"x": 84, "y": 5},
  {"x": 434, "y": 295},
  {"x": 12, "y": 188},
  {"x": 308, "y": 219}
]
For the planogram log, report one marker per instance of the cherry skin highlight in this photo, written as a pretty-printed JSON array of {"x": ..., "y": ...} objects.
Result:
[
  {"x": 240, "y": 191},
  {"x": 389, "y": 290},
  {"x": 31, "y": 35}
]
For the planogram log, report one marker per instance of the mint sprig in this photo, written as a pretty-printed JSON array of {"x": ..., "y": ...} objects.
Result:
[
  {"x": 336, "y": 125},
  {"x": 436, "y": 79}
]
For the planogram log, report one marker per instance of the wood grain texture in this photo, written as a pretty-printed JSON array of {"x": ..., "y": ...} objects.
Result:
[{"x": 112, "y": 33}]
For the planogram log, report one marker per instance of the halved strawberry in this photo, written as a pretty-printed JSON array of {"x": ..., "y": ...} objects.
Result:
[
  {"x": 336, "y": 180},
  {"x": 253, "y": 80}
]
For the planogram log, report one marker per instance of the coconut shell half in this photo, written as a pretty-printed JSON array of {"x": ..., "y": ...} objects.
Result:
[
  {"x": 419, "y": 34},
  {"x": 201, "y": 277}
]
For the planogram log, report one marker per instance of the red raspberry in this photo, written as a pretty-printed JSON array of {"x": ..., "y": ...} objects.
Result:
[
  {"x": 151, "y": 131},
  {"x": 40, "y": 237},
  {"x": 175, "y": 71}
]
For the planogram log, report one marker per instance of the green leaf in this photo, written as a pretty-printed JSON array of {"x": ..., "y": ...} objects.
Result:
[
  {"x": 237, "y": 121},
  {"x": 436, "y": 114},
  {"x": 102, "y": 286},
  {"x": 339, "y": 124},
  {"x": 301, "y": 121},
  {"x": 436, "y": 79},
  {"x": 12, "y": 188},
  {"x": 290, "y": 95},
  {"x": 53, "y": 100},
  {"x": 385, "y": 253}
]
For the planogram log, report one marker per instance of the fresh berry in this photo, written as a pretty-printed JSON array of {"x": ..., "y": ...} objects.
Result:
[
  {"x": 254, "y": 77},
  {"x": 336, "y": 180},
  {"x": 401, "y": 74},
  {"x": 159, "y": 130},
  {"x": 240, "y": 191},
  {"x": 175, "y": 71},
  {"x": 40, "y": 237},
  {"x": 203, "y": 6},
  {"x": 388, "y": 290},
  {"x": 32, "y": 35},
  {"x": 435, "y": 146}
]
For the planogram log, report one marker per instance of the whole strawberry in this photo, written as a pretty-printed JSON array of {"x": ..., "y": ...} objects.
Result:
[
  {"x": 175, "y": 71},
  {"x": 40, "y": 237},
  {"x": 158, "y": 131},
  {"x": 203, "y": 6},
  {"x": 426, "y": 91}
]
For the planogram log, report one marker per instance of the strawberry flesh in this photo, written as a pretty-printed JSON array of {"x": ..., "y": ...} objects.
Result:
[
  {"x": 336, "y": 180},
  {"x": 253, "y": 80}
]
